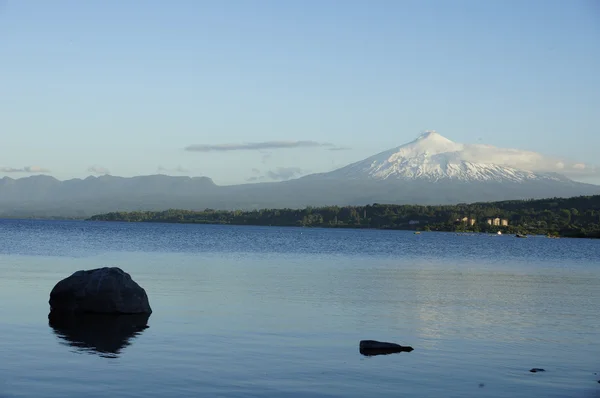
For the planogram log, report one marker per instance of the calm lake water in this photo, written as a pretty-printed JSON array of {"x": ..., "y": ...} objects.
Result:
[{"x": 279, "y": 312}]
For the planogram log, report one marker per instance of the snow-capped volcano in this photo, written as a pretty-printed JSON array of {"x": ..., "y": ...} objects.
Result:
[{"x": 433, "y": 157}]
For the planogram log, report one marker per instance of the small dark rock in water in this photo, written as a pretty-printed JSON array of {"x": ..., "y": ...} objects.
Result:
[
  {"x": 373, "y": 347},
  {"x": 535, "y": 370},
  {"x": 102, "y": 290},
  {"x": 481, "y": 385}
]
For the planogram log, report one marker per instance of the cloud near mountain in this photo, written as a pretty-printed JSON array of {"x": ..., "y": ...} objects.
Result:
[
  {"x": 278, "y": 174},
  {"x": 26, "y": 169},
  {"x": 525, "y": 160},
  {"x": 285, "y": 173},
  {"x": 98, "y": 170},
  {"x": 339, "y": 148},
  {"x": 257, "y": 146},
  {"x": 178, "y": 169}
]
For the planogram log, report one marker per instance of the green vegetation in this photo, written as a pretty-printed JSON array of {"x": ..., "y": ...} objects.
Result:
[{"x": 572, "y": 217}]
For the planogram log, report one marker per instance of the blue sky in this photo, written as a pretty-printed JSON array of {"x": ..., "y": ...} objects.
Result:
[{"x": 127, "y": 86}]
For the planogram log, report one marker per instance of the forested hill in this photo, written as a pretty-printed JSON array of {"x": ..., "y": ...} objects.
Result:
[{"x": 572, "y": 217}]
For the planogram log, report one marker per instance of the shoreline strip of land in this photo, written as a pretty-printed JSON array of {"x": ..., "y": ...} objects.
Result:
[{"x": 576, "y": 217}]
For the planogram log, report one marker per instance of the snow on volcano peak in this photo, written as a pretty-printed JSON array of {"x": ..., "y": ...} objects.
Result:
[
  {"x": 433, "y": 157},
  {"x": 429, "y": 143}
]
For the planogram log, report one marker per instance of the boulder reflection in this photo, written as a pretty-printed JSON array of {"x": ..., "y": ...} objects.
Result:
[
  {"x": 102, "y": 334},
  {"x": 372, "y": 352}
]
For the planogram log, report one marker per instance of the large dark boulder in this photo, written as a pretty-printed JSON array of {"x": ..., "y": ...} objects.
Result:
[{"x": 107, "y": 290}]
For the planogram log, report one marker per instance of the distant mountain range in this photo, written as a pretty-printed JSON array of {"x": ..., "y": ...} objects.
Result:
[{"x": 429, "y": 170}]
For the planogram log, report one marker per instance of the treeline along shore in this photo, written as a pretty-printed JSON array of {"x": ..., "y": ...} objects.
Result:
[{"x": 566, "y": 217}]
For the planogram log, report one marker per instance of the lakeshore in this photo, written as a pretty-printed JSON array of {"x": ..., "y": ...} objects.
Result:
[{"x": 576, "y": 217}]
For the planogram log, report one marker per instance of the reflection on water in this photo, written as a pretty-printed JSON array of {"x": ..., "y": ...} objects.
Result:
[
  {"x": 374, "y": 351},
  {"x": 103, "y": 334}
]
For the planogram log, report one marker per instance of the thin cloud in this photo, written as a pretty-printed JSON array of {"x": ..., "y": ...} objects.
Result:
[
  {"x": 178, "y": 169},
  {"x": 26, "y": 169},
  {"x": 98, "y": 170},
  {"x": 580, "y": 171},
  {"x": 285, "y": 173},
  {"x": 278, "y": 174},
  {"x": 256, "y": 146},
  {"x": 255, "y": 178},
  {"x": 265, "y": 157},
  {"x": 339, "y": 148}
]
